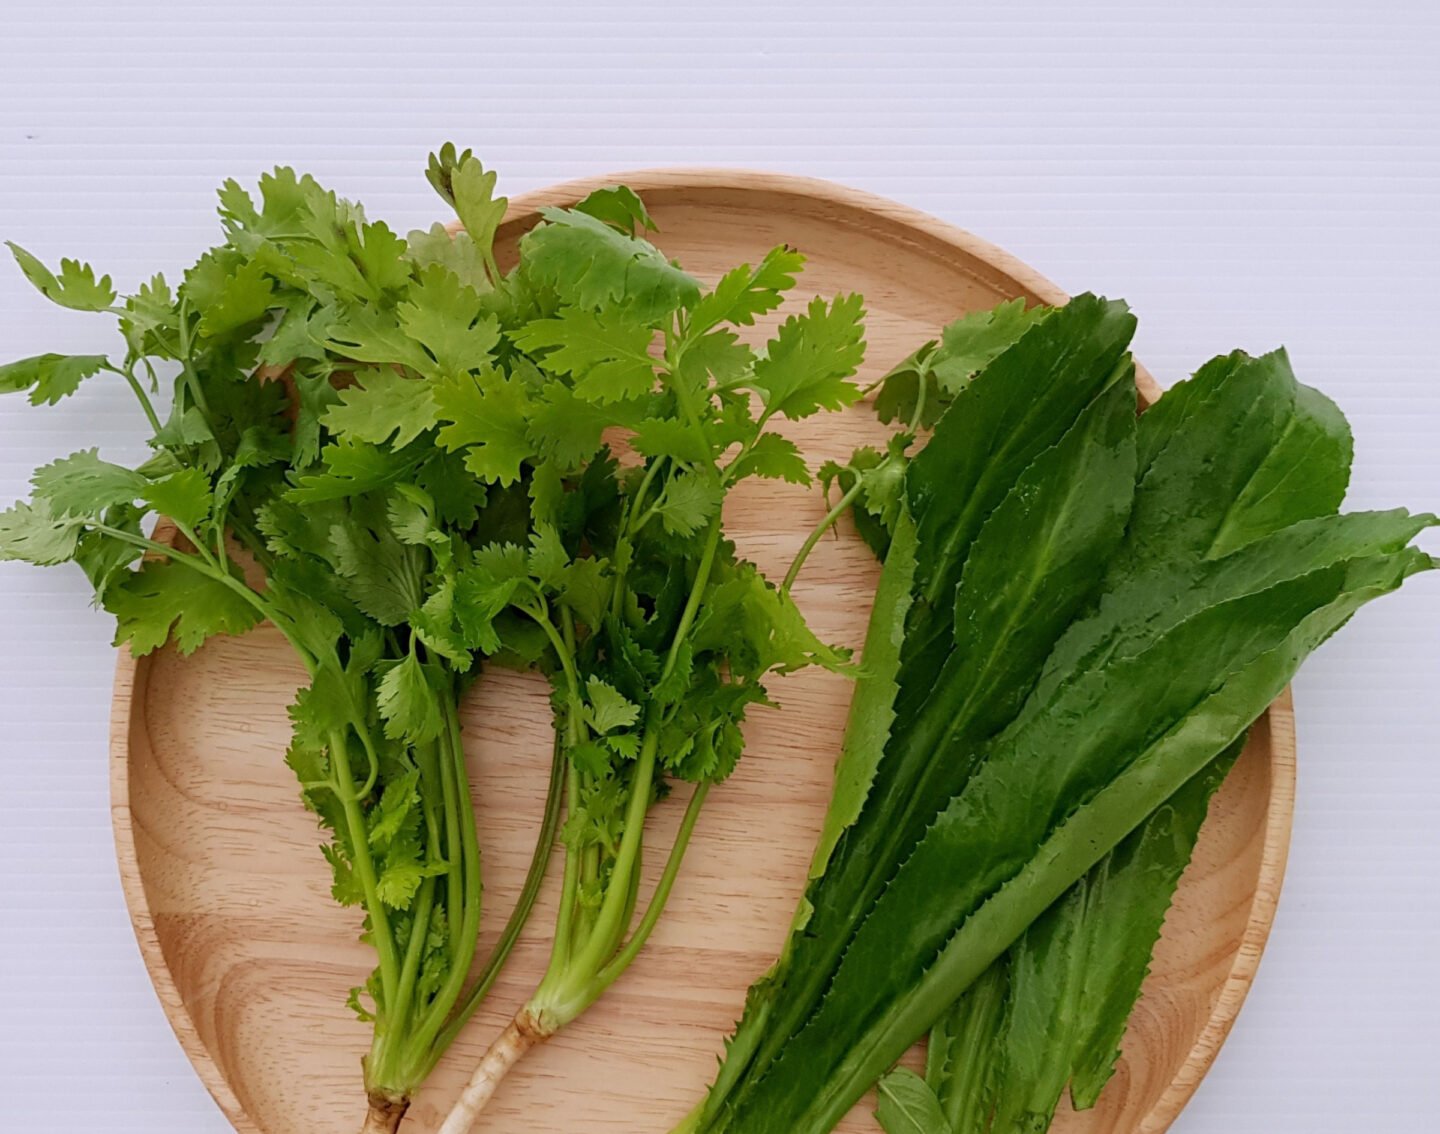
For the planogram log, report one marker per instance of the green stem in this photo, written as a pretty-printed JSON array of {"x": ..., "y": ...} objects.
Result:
[
  {"x": 452, "y": 748},
  {"x": 626, "y": 956},
  {"x": 534, "y": 880},
  {"x": 364, "y": 865},
  {"x": 564, "y": 943},
  {"x": 607, "y": 924},
  {"x": 697, "y": 591},
  {"x": 128, "y": 374},
  {"x": 454, "y": 853},
  {"x": 399, "y": 1016},
  {"x": 831, "y": 517}
]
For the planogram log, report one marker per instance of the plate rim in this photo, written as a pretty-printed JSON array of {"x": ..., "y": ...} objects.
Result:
[{"x": 131, "y": 673}]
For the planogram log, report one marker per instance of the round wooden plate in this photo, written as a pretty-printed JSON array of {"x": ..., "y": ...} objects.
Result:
[{"x": 230, "y": 897}]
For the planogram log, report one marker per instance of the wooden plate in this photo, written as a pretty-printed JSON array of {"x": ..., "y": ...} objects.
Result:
[{"x": 229, "y": 895}]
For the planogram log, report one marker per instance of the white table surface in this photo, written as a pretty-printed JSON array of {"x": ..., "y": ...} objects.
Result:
[{"x": 1246, "y": 174}]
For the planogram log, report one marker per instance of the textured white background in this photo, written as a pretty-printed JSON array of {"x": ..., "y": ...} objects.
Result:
[{"x": 1246, "y": 174}]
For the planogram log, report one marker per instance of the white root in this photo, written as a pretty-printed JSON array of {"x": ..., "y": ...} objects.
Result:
[{"x": 519, "y": 1036}]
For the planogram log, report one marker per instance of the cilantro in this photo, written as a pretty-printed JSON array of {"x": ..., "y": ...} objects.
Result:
[
  {"x": 591, "y": 265},
  {"x": 75, "y": 287},
  {"x": 49, "y": 377},
  {"x": 166, "y": 601},
  {"x": 806, "y": 366}
]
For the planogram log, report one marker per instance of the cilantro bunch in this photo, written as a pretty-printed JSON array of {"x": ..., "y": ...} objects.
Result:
[
  {"x": 656, "y": 634},
  {"x": 406, "y": 461},
  {"x": 302, "y": 486}
]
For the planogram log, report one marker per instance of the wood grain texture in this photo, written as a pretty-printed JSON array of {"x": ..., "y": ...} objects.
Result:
[{"x": 230, "y": 900}]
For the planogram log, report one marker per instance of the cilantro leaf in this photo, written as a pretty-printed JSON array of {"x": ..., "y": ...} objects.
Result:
[
  {"x": 350, "y": 469},
  {"x": 383, "y": 407},
  {"x": 585, "y": 587},
  {"x": 445, "y": 317},
  {"x": 671, "y": 437},
  {"x": 184, "y": 496},
  {"x": 382, "y": 576},
  {"x": 591, "y": 265},
  {"x": 972, "y": 342},
  {"x": 689, "y": 502},
  {"x": 457, "y": 253},
  {"x": 479, "y": 210},
  {"x": 35, "y": 534},
  {"x": 458, "y": 496},
  {"x": 229, "y": 291},
  {"x": 487, "y": 416},
  {"x": 408, "y": 705},
  {"x": 745, "y": 292},
  {"x": 367, "y": 333},
  {"x": 75, "y": 287},
  {"x": 84, "y": 485},
  {"x": 548, "y": 557},
  {"x": 566, "y": 429},
  {"x": 606, "y": 708},
  {"x": 481, "y": 593},
  {"x": 620, "y": 207},
  {"x": 399, "y": 881},
  {"x": 49, "y": 377},
  {"x": 165, "y": 600},
  {"x": 807, "y": 363},
  {"x": 772, "y": 456},
  {"x": 608, "y": 356}
]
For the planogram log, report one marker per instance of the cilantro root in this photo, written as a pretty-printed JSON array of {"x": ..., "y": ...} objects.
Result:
[
  {"x": 519, "y": 1036},
  {"x": 385, "y": 1115}
]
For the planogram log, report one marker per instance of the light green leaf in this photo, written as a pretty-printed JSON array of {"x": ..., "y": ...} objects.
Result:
[
  {"x": 49, "y": 377},
  {"x": 591, "y": 265},
  {"x": 479, "y": 210},
  {"x": 408, "y": 704},
  {"x": 772, "y": 456},
  {"x": 548, "y": 556},
  {"x": 487, "y": 417},
  {"x": 672, "y": 437},
  {"x": 689, "y": 502},
  {"x": 607, "y": 355},
  {"x": 31, "y": 532},
  {"x": 75, "y": 287},
  {"x": 384, "y": 407},
  {"x": 166, "y": 600},
  {"x": 908, "y": 1106},
  {"x": 620, "y": 207},
  {"x": 607, "y": 708},
  {"x": 446, "y": 318},
  {"x": 350, "y": 468},
  {"x": 807, "y": 364},
  {"x": 745, "y": 292},
  {"x": 184, "y": 496},
  {"x": 84, "y": 485}
]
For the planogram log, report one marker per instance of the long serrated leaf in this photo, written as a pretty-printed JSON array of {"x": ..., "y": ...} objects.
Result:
[
  {"x": 1034, "y": 563},
  {"x": 1118, "y": 744}
]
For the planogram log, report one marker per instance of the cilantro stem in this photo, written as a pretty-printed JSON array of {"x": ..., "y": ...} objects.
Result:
[
  {"x": 921, "y": 385},
  {"x": 455, "y": 876},
  {"x": 128, "y": 373},
  {"x": 627, "y": 955},
  {"x": 564, "y": 943},
  {"x": 600, "y": 941},
  {"x": 415, "y": 949},
  {"x": 697, "y": 591},
  {"x": 364, "y": 866},
  {"x": 452, "y": 749},
  {"x": 534, "y": 880},
  {"x": 831, "y": 518}
]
